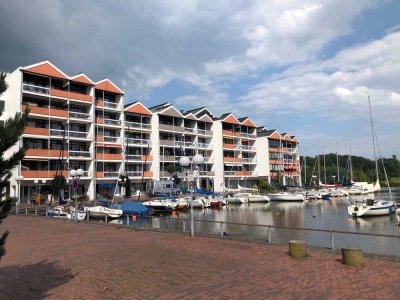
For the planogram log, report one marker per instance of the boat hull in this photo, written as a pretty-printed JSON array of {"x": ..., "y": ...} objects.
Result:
[
  {"x": 370, "y": 211},
  {"x": 286, "y": 197}
]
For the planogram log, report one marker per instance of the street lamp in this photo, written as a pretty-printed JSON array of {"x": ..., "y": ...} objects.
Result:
[
  {"x": 76, "y": 175},
  {"x": 334, "y": 179},
  {"x": 39, "y": 184},
  {"x": 184, "y": 161},
  {"x": 122, "y": 182},
  {"x": 18, "y": 179}
]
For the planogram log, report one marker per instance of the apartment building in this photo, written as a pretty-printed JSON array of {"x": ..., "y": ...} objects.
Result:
[{"x": 77, "y": 123}]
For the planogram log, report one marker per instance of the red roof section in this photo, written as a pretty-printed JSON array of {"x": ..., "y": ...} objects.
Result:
[
  {"x": 82, "y": 79},
  {"x": 275, "y": 136},
  {"x": 46, "y": 69},
  {"x": 249, "y": 123},
  {"x": 106, "y": 85},
  {"x": 138, "y": 108},
  {"x": 231, "y": 119}
]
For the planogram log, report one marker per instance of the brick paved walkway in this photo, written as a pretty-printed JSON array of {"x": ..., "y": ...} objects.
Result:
[{"x": 63, "y": 260}]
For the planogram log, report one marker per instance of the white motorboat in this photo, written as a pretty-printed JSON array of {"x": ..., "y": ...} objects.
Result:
[
  {"x": 161, "y": 204},
  {"x": 233, "y": 200},
  {"x": 372, "y": 207},
  {"x": 249, "y": 197},
  {"x": 81, "y": 214},
  {"x": 101, "y": 212},
  {"x": 57, "y": 212},
  {"x": 284, "y": 196}
]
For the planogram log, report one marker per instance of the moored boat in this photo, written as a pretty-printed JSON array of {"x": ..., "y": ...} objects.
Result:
[
  {"x": 131, "y": 208},
  {"x": 101, "y": 212},
  {"x": 372, "y": 207},
  {"x": 284, "y": 196}
]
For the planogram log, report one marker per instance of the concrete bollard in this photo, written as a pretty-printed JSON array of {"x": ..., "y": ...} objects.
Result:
[
  {"x": 352, "y": 257},
  {"x": 298, "y": 249}
]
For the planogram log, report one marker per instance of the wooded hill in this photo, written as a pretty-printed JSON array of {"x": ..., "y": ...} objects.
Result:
[{"x": 363, "y": 169}]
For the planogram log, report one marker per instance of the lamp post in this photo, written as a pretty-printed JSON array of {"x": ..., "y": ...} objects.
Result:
[
  {"x": 334, "y": 179},
  {"x": 18, "y": 179},
  {"x": 185, "y": 161},
  {"x": 76, "y": 174},
  {"x": 122, "y": 182},
  {"x": 39, "y": 184},
  {"x": 314, "y": 179}
]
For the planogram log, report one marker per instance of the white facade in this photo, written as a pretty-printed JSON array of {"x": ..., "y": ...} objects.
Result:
[{"x": 107, "y": 139}]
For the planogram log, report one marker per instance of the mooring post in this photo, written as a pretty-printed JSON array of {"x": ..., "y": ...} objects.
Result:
[
  {"x": 47, "y": 213},
  {"x": 184, "y": 225},
  {"x": 36, "y": 211},
  {"x": 127, "y": 220},
  {"x": 269, "y": 235},
  {"x": 26, "y": 211},
  {"x": 221, "y": 229},
  {"x": 332, "y": 240},
  {"x": 87, "y": 216}
]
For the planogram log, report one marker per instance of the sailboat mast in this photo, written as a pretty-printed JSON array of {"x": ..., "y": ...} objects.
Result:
[
  {"x": 324, "y": 168},
  {"x": 319, "y": 171},
  {"x": 373, "y": 137},
  {"x": 337, "y": 163},
  {"x": 351, "y": 167}
]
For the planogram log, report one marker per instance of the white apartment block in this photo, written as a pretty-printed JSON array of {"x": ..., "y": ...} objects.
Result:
[{"x": 75, "y": 122}]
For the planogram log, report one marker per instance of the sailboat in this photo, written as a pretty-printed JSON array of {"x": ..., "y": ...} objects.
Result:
[{"x": 372, "y": 207}]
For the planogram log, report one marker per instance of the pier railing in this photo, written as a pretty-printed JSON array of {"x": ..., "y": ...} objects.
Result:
[{"x": 261, "y": 233}]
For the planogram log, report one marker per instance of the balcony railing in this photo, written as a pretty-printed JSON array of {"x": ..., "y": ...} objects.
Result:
[
  {"x": 171, "y": 127},
  {"x": 167, "y": 143},
  {"x": 109, "y": 156},
  {"x": 248, "y": 135},
  {"x": 249, "y": 160},
  {"x": 111, "y": 174},
  {"x": 204, "y": 146},
  {"x": 247, "y": 148},
  {"x": 76, "y": 154},
  {"x": 292, "y": 150},
  {"x": 112, "y": 122},
  {"x": 204, "y": 132},
  {"x": 134, "y": 173},
  {"x": 233, "y": 159},
  {"x": 110, "y": 104},
  {"x": 78, "y": 115},
  {"x": 208, "y": 160},
  {"x": 136, "y": 141},
  {"x": 137, "y": 125},
  {"x": 184, "y": 144},
  {"x": 36, "y": 89},
  {"x": 73, "y": 134},
  {"x": 54, "y": 112},
  {"x": 189, "y": 130},
  {"x": 111, "y": 139},
  {"x": 133, "y": 157}
]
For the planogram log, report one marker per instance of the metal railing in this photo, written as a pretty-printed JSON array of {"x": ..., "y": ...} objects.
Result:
[
  {"x": 248, "y": 148},
  {"x": 249, "y": 135},
  {"x": 133, "y": 157},
  {"x": 204, "y": 132},
  {"x": 73, "y": 153},
  {"x": 259, "y": 233},
  {"x": 110, "y": 104},
  {"x": 111, "y": 139},
  {"x": 78, "y": 115},
  {"x": 36, "y": 88},
  {"x": 134, "y": 173},
  {"x": 136, "y": 141},
  {"x": 111, "y": 122},
  {"x": 137, "y": 125},
  {"x": 204, "y": 146},
  {"x": 111, "y": 174},
  {"x": 249, "y": 160},
  {"x": 70, "y": 133}
]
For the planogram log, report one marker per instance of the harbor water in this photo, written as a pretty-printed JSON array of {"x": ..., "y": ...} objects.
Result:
[{"x": 321, "y": 214}]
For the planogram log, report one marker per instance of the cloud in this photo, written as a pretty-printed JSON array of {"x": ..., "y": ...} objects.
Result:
[{"x": 336, "y": 87}]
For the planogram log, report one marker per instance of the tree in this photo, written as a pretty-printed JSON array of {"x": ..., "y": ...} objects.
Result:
[
  {"x": 264, "y": 186},
  {"x": 10, "y": 134}
]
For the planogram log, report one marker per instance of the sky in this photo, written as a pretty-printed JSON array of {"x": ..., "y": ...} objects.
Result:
[{"x": 305, "y": 67}]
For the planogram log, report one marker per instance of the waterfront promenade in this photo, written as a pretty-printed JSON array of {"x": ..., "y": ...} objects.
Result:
[{"x": 63, "y": 260}]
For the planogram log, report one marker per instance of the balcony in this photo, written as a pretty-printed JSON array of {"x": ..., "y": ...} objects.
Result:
[
  {"x": 111, "y": 139},
  {"x": 80, "y": 116},
  {"x": 230, "y": 133},
  {"x": 184, "y": 144},
  {"x": 247, "y": 148},
  {"x": 275, "y": 162},
  {"x": 204, "y": 146},
  {"x": 109, "y": 156},
  {"x": 206, "y": 173},
  {"x": 79, "y": 154},
  {"x": 46, "y": 153},
  {"x": 35, "y": 89},
  {"x": 242, "y": 173},
  {"x": 107, "y": 104},
  {"x": 249, "y": 160},
  {"x": 171, "y": 128},
  {"x": 132, "y": 141},
  {"x": 274, "y": 149},
  {"x": 230, "y": 146},
  {"x": 167, "y": 143},
  {"x": 45, "y": 111},
  {"x": 70, "y": 134},
  {"x": 108, "y": 122},
  {"x": 136, "y": 157},
  {"x": 108, "y": 174},
  {"x": 204, "y": 132},
  {"x": 208, "y": 160},
  {"x": 135, "y": 125},
  {"x": 291, "y": 150},
  {"x": 232, "y": 159},
  {"x": 189, "y": 130},
  {"x": 71, "y": 95},
  {"x": 168, "y": 158},
  {"x": 134, "y": 173},
  {"x": 248, "y": 135},
  {"x": 35, "y": 174},
  {"x": 36, "y": 131}
]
